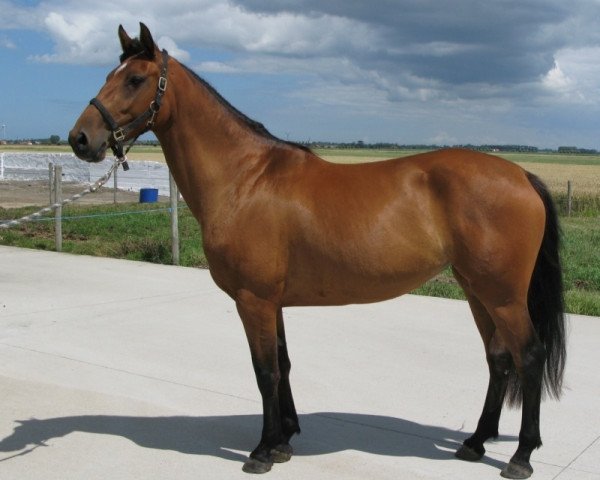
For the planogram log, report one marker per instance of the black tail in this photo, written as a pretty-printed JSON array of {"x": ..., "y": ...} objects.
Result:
[{"x": 546, "y": 303}]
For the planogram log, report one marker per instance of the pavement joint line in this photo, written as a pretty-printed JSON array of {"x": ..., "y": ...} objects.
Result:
[
  {"x": 178, "y": 295},
  {"x": 567, "y": 467},
  {"x": 128, "y": 372}
]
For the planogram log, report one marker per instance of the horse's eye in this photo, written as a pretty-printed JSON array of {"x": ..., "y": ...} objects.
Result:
[{"x": 135, "y": 80}]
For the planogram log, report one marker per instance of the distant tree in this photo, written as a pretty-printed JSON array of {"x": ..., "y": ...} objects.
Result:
[
  {"x": 54, "y": 139},
  {"x": 568, "y": 149}
]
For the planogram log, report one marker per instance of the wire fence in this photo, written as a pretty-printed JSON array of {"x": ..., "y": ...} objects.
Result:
[{"x": 150, "y": 179}]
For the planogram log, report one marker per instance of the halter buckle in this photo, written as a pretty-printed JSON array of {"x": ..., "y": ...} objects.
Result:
[
  {"x": 119, "y": 135},
  {"x": 162, "y": 84}
]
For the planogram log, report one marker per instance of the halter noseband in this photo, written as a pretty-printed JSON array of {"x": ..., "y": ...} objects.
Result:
[{"x": 119, "y": 134}]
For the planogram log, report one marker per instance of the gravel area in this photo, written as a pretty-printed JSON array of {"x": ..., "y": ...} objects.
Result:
[{"x": 14, "y": 194}]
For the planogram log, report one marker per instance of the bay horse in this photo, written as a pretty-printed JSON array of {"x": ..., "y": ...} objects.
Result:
[{"x": 282, "y": 227}]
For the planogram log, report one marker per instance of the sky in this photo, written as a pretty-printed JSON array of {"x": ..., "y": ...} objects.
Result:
[{"x": 401, "y": 71}]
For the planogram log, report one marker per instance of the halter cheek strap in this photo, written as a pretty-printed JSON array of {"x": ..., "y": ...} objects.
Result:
[{"x": 145, "y": 120}]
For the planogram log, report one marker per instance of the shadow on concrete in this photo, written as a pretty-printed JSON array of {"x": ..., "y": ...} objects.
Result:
[{"x": 231, "y": 437}]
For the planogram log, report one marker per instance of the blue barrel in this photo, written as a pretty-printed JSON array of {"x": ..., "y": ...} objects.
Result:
[{"x": 148, "y": 195}]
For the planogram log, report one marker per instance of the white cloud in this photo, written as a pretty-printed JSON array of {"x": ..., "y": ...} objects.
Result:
[
  {"x": 16, "y": 16},
  {"x": 7, "y": 43},
  {"x": 216, "y": 67},
  {"x": 443, "y": 138},
  {"x": 85, "y": 31},
  {"x": 79, "y": 38},
  {"x": 575, "y": 76},
  {"x": 171, "y": 46},
  {"x": 556, "y": 80}
]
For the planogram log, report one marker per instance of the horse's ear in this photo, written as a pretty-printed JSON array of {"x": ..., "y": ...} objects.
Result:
[
  {"x": 147, "y": 40},
  {"x": 125, "y": 39}
]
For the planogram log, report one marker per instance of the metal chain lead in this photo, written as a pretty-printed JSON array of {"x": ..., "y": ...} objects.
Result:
[{"x": 91, "y": 189}]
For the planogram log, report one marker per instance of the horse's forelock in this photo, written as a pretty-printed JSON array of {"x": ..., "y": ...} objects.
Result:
[{"x": 135, "y": 48}]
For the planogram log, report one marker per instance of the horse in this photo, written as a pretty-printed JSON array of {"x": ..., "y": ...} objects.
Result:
[{"x": 282, "y": 227}]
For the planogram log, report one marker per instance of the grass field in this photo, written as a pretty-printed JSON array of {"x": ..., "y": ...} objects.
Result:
[
  {"x": 144, "y": 234},
  {"x": 361, "y": 155}
]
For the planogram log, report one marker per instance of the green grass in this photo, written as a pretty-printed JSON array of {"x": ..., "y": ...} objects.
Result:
[
  {"x": 582, "y": 205},
  {"x": 581, "y": 264},
  {"x": 129, "y": 231},
  {"x": 555, "y": 158},
  {"x": 138, "y": 232}
]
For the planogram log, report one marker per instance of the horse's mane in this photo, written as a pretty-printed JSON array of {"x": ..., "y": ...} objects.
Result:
[
  {"x": 136, "y": 48},
  {"x": 255, "y": 126}
]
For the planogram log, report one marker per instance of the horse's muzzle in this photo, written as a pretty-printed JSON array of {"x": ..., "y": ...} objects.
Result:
[{"x": 86, "y": 149}]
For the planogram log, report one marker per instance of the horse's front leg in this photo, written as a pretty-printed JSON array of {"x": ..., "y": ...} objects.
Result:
[{"x": 260, "y": 323}]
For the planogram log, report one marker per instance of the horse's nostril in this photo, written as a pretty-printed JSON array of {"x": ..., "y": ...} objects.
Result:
[
  {"x": 79, "y": 142},
  {"x": 82, "y": 140}
]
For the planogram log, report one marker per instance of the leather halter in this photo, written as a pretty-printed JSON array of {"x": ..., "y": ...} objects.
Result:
[{"x": 146, "y": 119}]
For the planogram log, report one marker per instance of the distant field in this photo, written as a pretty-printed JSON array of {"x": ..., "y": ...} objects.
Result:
[
  {"x": 555, "y": 169},
  {"x": 362, "y": 155}
]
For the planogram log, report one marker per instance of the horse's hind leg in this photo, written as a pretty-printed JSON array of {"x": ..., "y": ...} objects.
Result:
[
  {"x": 529, "y": 357},
  {"x": 514, "y": 333},
  {"x": 499, "y": 364},
  {"x": 289, "y": 417}
]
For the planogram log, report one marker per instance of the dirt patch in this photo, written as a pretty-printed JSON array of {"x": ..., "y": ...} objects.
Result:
[{"x": 14, "y": 194}]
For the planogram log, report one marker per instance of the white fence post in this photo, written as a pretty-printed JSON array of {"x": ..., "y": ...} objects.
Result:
[
  {"x": 51, "y": 181},
  {"x": 115, "y": 186},
  {"x": 58, "y": 211},
  {"x": 569, "y": 198}
]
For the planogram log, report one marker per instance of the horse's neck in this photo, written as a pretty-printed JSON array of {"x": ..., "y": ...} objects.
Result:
[{"x": 208, "y": 150}]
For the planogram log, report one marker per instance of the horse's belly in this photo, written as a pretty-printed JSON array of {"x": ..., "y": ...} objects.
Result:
[{"x": 341, "y": 285}]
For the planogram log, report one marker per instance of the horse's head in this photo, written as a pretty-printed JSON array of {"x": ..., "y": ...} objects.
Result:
[{"x": 128, "y": 103}]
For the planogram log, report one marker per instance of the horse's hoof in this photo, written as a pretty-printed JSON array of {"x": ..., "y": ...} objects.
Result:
[
  {"x": 282, "y": 453},
  {"x": 468, "y": 454},
  {"x": 517, "y": 470},
  {"x": 256, "y": 466}
]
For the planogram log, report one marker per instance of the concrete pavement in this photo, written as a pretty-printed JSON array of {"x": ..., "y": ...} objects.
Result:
[{"x": 125, "y": 370}]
